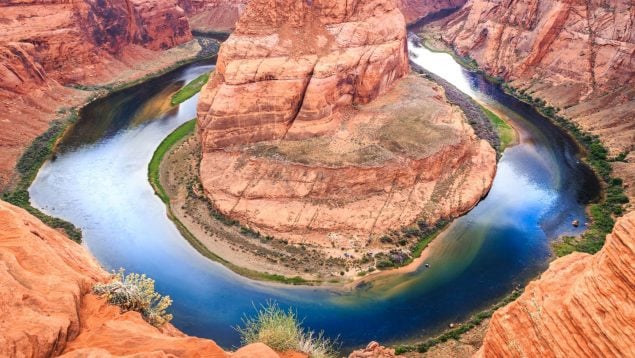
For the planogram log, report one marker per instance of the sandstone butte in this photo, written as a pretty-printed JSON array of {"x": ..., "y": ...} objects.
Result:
[
  {"x": 48, "y": 309},
  {"x": 311, "y": 132},
  {"x": 45, "y": 46},
  {"x": 576, "y": 55}
]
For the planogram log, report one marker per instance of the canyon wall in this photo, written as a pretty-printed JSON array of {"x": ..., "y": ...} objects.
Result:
[
  {"x": 48, "y": 309},
  {"x": 579, "y": 56},
  {"x": 45, "y": 46},
  {"x": 213, "y": 16},
  {"x": 582, "y": 306},
  {"x": 414, "y": 10}
]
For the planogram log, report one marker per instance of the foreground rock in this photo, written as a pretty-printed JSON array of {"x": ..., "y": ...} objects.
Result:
[
  {"x": 48, "y": 310},
  {"x": 46, "y": 45},
  {"x": 581, "y": 306},
  {"x": 307, "y": 132}
]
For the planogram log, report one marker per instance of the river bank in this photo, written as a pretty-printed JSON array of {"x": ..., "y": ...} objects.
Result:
[
  {"x": 277, "y": 259},
  {"x": 43, "y": 146},
  {"x": 464, "y": 339}
]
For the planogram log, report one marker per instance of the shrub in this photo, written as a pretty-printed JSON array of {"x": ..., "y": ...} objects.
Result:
[
  {"x": 281, "y": 330},
  {"x": 135, "y": 292}
]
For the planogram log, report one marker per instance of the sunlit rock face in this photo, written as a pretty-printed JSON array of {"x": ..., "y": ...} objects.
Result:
[
  {"x": 582, "y": 306},
  {"x": 311, "y": 131},
  {"x": 290, "y": 65},
  {"x": 46, "y": 45}
]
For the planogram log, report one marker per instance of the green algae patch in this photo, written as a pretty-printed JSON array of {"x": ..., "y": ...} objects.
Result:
[
  {"x": 506, "y": 133},
  {"x": 179, "y": 134},
  {"x": 190, "y": 89}
]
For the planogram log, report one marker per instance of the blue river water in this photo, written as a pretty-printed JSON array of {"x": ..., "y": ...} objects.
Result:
[{"x": 98, "y": 181}]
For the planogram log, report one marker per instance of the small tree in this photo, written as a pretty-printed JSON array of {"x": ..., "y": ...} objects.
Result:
[{"x": 135, "y": 292}]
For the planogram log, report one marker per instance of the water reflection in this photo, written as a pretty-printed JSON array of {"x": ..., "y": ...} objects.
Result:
[{"x": 99, "y": 183}]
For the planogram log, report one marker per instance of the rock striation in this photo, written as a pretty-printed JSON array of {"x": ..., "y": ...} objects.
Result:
[
  {"x": 576, "y": 55},
  {"x": 290, "y": 65},
  {"x": 48, "y": 310},
  {"x": 414, "y": 10},
  {"x": 310, "y": 131},
  {"x": 213, "y": 16},
  {"x": 47, "y": 45},
  {"x": 581, "y": 306}
]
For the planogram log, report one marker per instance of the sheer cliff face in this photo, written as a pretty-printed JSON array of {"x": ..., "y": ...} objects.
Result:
[
  {"x": 290, "y": 65},
  {"x": 70, "y": 35},
  {"x": 47, "y": 44},
  {"x": 577, "y": 55},
  {"x": 581, "y": 306},
  {"x": 414, "y": 10}
]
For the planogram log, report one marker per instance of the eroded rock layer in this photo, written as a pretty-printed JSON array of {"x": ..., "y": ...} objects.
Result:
[
  {"x": 577, "y": 55},
  {"x": 582, "y": 306},
  {"x": 290, "y": 65},
  {"x": 48, "y": 310},
  {"x": 414, "y": 10},
  {"x": 46, "y": 45},
  {"x": 213, "y": 16},
  {"x": 407, "y": 155}
]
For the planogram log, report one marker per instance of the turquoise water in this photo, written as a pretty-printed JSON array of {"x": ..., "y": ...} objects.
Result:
[{"x": 98, "y": 182}]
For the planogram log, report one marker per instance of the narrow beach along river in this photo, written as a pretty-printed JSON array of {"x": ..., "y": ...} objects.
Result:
[{"x": 98, "y": 181}]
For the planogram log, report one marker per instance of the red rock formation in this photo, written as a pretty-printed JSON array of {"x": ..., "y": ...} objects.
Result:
[
  {"x": 373, "y": 350},
  {"x": 582, "y": 306},
  {"x": 577, "y": 55},
  {"x": 290, "y": 65},
  {"x": 44, "y": 45},
  {"x": 284, "y": 152},
  {"x": 414, "y": 10},
  {"x": 214, "y": 16},
  {"x": 406, "y": 156},
  {"x": 48, "y": 310}
]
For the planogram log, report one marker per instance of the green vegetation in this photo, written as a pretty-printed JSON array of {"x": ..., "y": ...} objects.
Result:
[
  {"x": 27, "y": 167},
  {"x": 179, "y": 134},
  {"x": 457, "y": 332},
  {"x": 423, "y": 236},
  {"x": 505, "y": 132},
  {"x": 176, "y": 136},
  {"x": 281, "y": 330},
  {"x": 190, "y": 89},
  {"x": 611, "y": 205},
  {"x": 135, "y": 292}
]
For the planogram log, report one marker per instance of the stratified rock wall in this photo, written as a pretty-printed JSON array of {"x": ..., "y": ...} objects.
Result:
[
  {"x": 582, "y": 306},
  {"x": 47, "y": 44},
  {"x": 414, "y": 10},
  {"x": 577, "y": 55},
  {"x": 290, "y": 65}
]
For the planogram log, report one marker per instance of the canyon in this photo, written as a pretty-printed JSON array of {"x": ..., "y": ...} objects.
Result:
[
  {"x": 289, "y": 127},
  {"x": 52, "y": 54},
  {"x": 48, "y": 308},
  {"x": 577, "y": 56},
  {"x": 299, "y": 135}
]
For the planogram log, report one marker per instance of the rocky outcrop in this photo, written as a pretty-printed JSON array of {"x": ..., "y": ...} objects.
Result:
[
  {"x": 290, "y": 66},
  {"x": 373, "y": 350},
  {"x": 213, "y": 16},
  {"x": 581, "y": 306},
  {"x": 577, "y": 55},
  {"x": 48, "y": 310},
  {"x": 47, "y": 45},
  {"x": 414, "y": 10},
  {"x": 307, "y": 131}
]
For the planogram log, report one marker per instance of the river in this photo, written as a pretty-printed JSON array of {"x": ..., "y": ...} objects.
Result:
[{"x": 98, "y": 181}]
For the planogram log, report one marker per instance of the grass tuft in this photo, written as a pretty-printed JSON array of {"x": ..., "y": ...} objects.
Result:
[{"x": 281, "y": 330}]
